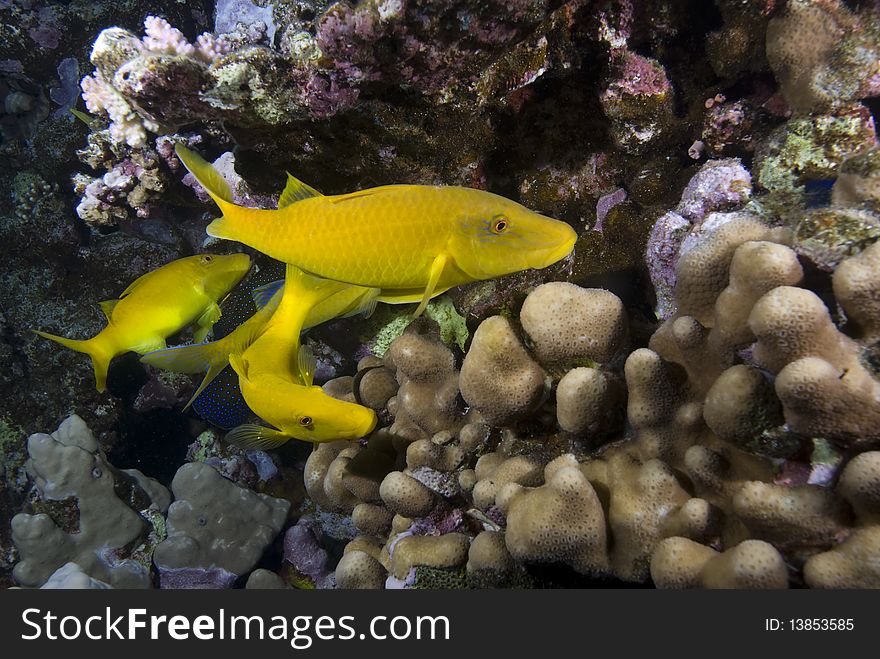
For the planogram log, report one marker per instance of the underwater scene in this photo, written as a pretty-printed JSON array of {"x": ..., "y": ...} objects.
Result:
[{"x": 404, "y": 294}]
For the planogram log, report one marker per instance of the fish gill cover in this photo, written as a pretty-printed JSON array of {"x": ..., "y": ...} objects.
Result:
[{"x": 690, "y": 399}]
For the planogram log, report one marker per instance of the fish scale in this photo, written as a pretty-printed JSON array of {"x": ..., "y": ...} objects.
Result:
[{"x": 352, "y": 225}]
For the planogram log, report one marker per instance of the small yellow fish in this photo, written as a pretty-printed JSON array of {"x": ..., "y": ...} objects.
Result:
[
  {"x": 276, "y": 373},
  {"x": 299, "y": 411},
  {"x": 159, "y": 304},
  {"x": 412, "y": 241},
  {"x": 211, "y": 358}
]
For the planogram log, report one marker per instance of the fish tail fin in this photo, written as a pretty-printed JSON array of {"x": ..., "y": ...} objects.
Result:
[
  {"x": 95, "y": 349},
  {"x": 210, "y": 358},
  {"x": 195, "y": 358},
  {"x": 309, "y": 289},
  {"x": 213, "y": 372},
  {"x": 217, "y": 187}
]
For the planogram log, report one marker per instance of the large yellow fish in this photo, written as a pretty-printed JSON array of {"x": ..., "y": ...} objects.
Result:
[
  {"x": 275, "y": 374},
  {"x": 211, "y": 358},
  {"x": 412, "y": 241},
  {"x": 159, "y": 304}
]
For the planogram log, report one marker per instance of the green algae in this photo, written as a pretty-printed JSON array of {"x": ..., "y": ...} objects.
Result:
[{"x": 390, "y": 321}]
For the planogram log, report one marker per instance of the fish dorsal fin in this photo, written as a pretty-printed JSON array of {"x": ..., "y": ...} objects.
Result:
[
  {"x": 133, "y": 285},
  {"x": 295, "y": 191},
  {"x": 107, "y": 307},
  {"x": 205, "y": 173},
  {"x": 338, "y": 199},
  {"x": 262, "y": 295},
  {"x": 306, "y": 365}
]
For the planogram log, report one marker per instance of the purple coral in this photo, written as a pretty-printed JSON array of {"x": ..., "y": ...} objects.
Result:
[
  {"x": 729, "y": 125},
  {"x": 432, "y": 43},
  {"x": 101, "y": 93},
  {"x": 661, "y": 256},
  {"x": 718, "y": 185},
  {"x": 234, "y": 15},
  {"x": 605, "y": 204},
  {"x": 302, "y": 550},
  {"x": 46, "y": 33},
  {"x": 161, "y": 38}
]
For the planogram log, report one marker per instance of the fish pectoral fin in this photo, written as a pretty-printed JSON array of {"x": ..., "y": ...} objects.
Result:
[
  {"x": 201, "y": 334},
  {"x": 433, "y": 278},
  {"x": 107, "y": 307},
  {"x": 262, "y": 295},
  {"x": 252, "y": 437},
  {"x": 206, "y": 321},
  {"x": 295, "y": 191},
  {"x": 368, "y": 304},
  {"x": 306, "y": 365},
  {"x": 149, "y": 345}
]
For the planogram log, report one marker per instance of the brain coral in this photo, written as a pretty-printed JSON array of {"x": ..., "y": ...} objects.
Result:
[
  {"x": 425, "y": 368},
  {"x": 702, "y": 271},
  {"x": 859, "y": 484},
  {"x": 215, "y": 524},
  {"x": 857, "y": 288},
  {"x": 588, "y": 401},
  {"x": 561, "y": 520},
  {"x": 569, "y": 325},
  {"x": 682, "y": 563},
  {"x": 498, "y": 377},
  {"x": 852, "y": 564},
  {"x": 87, "y": 509}
]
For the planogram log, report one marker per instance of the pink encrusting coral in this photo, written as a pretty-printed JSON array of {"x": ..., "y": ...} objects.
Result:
[
  {"x": 160, "y": 38},
  {"x": 638, "y": 102}
]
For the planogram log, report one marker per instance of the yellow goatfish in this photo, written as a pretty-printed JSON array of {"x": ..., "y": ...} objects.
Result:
[
  {"x": 159, "y": 304},
  {"x": 275, "y": 374},
  {"x": 211, "y": 358},
  {"x": 412, "y": 241}
]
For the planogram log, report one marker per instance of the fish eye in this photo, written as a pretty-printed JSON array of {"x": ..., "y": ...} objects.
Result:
[
  {"x": 500, "y": 224},
  {"x": 305, "y": 420},
  {"x": 207, "y": 258}
]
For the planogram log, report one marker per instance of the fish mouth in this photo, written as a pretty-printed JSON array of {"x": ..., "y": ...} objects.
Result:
[
  {"x": 366, "y": 426},
  {"x": 371, "y": 425},
  {"x": 561, "y": 247},
  {"x": 239, "y": 263}
]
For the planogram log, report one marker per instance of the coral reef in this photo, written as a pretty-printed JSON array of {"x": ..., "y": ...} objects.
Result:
[
  {"x": 216, "y": 530},
  {"x": 85, "y": 512},
  {"x": 692, "y": 399}
]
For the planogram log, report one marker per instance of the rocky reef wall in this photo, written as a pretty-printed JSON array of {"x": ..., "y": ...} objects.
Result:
[{"x": 690, "y": 400}]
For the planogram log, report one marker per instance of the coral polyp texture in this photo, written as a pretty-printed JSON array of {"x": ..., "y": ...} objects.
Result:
[{"x": 689, "y": 399}]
